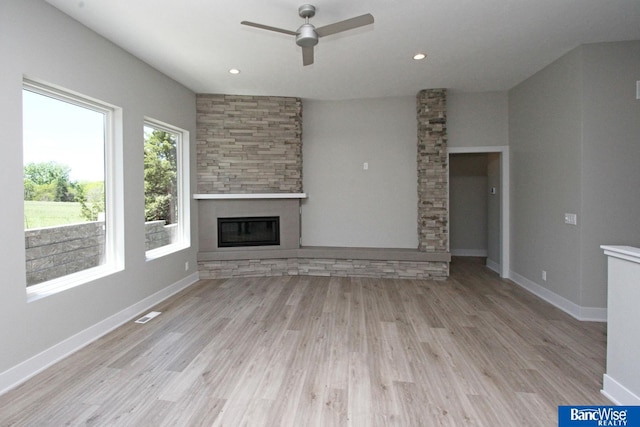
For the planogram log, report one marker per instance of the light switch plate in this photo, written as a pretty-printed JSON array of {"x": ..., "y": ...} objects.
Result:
[{"x": 570, "y": 218}]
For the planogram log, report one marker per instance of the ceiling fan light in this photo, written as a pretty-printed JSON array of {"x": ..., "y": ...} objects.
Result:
[
  {"x": 419, "y": 56},
  {"x": 307, "y": 36}
]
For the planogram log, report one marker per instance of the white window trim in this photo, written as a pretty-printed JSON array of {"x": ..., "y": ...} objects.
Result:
[
  {"x": 114, "y": 191},
  {"x": 183, "y": 234}
]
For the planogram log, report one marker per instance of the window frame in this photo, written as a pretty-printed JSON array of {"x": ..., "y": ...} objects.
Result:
[
  {"x": 113, "y": 184},
  {"x": 183, "y": 231}
]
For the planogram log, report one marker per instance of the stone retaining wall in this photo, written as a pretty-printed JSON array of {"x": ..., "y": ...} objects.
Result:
[
  {"x": 54, "y": 252},
  {"x": 157, "y": 234}
]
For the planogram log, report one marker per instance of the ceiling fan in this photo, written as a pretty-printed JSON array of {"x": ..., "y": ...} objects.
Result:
[{"x": 307, "y": 35}]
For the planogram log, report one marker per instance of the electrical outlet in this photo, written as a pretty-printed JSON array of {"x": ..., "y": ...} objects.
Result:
[
  {"x": 544, "y": 275},
  {"x": 186, "y": 266},
  {"x": 365, "y": 166}
]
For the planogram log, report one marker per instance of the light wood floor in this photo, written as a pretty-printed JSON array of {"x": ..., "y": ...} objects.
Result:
[{"x": 313, "y": 351}]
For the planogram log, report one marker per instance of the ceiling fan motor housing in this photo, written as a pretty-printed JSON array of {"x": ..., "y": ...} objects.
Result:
[{"x": 307, "y": 36}]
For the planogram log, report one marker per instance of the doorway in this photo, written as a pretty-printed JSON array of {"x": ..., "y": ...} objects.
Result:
[{"x": 479, "y": 204}]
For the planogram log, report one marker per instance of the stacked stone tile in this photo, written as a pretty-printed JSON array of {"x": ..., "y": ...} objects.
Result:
[
  {"x": 322, "y": 267},
  {"x": 433, "y": 229},
  {"x": 249, "y": 144}
]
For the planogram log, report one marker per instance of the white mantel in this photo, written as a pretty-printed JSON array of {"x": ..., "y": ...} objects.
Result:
[
  {"x": 621, "y": 382},
  {"x": 250, "y": 196}
]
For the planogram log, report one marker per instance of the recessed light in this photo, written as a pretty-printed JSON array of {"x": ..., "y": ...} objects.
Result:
[
  {"x": 234, "y": 71},
  {"x": 419, "y": 56}
]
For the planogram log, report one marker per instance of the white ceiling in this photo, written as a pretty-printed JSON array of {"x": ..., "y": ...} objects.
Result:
[{"x": 472, "y": 45}]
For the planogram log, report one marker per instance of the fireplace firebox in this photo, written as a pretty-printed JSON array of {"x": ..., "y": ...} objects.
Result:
[{"x": 248, "y": 231}]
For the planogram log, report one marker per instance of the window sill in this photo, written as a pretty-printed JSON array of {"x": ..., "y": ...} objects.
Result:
[
  {"x": 165, "y": 250},
  {"x": 54, "y": 286}
]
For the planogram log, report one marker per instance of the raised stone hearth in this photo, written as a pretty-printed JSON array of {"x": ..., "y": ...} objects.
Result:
[{"x": 326, "y": 261}]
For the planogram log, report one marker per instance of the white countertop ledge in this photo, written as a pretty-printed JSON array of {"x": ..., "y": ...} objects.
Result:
[
  {"x": 250, "y": 196},
  {"x": 628, "y": 253}
]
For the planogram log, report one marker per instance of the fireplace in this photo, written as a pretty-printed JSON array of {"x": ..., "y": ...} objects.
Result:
[
  {"x": 212, "y": 212},
  {"x": 248, "y": 231}
]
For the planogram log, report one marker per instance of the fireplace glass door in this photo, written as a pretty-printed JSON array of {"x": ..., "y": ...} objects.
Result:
[{"x": 248, "y": 231}]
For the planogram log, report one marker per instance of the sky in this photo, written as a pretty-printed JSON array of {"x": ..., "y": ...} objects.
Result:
[{"x": 65, "y": 133}]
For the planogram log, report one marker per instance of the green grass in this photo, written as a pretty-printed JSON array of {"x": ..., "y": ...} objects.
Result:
[{"x": 49, "y": 214}]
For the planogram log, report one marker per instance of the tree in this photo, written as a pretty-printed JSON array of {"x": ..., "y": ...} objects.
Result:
[
  {"x": 29, "y": 189},
  {"x": 91, "y": 198},
  {"x": 46, "y": 172},
  {"x": 160, "y": 179},
  {"x": 48, "y": 181}
]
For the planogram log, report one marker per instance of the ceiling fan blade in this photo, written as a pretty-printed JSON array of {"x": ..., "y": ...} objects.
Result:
[
  {"x": 267, "y": 27},
  {"x": 307, "y": 55},
  {"x": 347, "y": 24}
]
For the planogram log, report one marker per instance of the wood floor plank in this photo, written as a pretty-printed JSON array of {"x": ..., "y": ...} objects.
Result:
[
  {"x": 183, "y": 382},
  {"x": 277, "y": 369},
  {"x": 283, "y": 412},
  {"x": 359, "y": 407},
  {"x": 474, "y": 350},
  {"x": 339, "y": 357},
  {"x": 335, "y": 407},
  {"x": 357, "y": 333}
]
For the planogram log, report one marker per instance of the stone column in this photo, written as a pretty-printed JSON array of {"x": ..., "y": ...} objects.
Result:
[{"x": 433, "y": 171}]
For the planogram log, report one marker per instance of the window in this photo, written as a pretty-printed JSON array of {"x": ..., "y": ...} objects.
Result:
[
  {"x": 69, "y": 217},
  {"x": 166, "y": 202}
]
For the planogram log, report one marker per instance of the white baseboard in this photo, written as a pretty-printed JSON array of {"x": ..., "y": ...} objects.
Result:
[
  {"x": 617, "y": 393},
  {"x": 494, "y": 266},
  {"x": 591, "y": 314},
  {"x": 469, "y": 252},
  {"x": 20, "y": 373}
]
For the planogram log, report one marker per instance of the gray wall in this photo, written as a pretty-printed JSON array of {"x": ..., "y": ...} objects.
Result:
[
  {"x": 40, "y": 42},
  {"x": 545, "y": 142},
  {"x": 575, "y": 144},
  {"x": 477, "y": 119},
  {"x": 349, "y": 206},
  {"x": 611, "y": 159}
]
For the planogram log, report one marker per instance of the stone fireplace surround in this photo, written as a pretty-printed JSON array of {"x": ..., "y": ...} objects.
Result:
[{"x": 238, "y": 135}]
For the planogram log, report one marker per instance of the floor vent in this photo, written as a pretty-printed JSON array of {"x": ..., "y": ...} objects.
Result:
[{"x": 147, "y": 317}]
